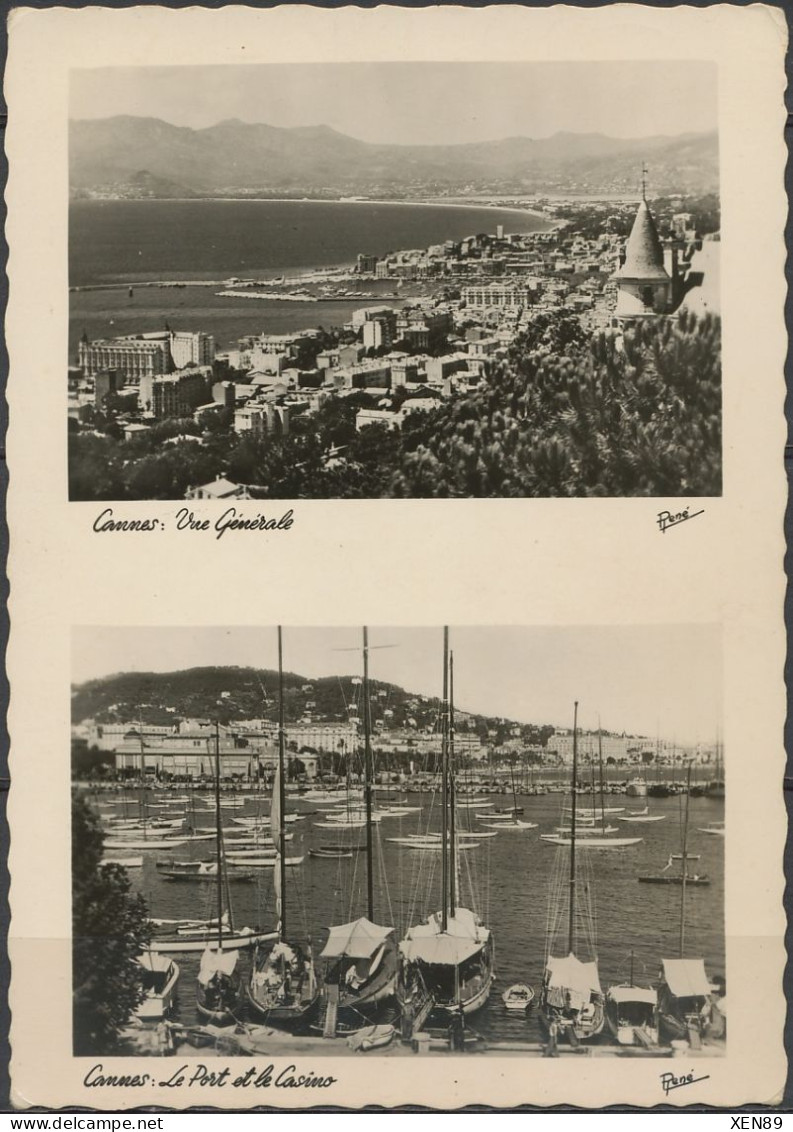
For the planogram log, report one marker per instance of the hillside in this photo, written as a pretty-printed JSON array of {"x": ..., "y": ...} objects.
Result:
[
  {"x": 149, "y": 157},
  {"x": 246, "y": 693}
]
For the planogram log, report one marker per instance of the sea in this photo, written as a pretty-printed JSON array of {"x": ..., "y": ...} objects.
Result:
[
  {"x": 509, "y": 879},
  {"x": 117, "y": 244}
]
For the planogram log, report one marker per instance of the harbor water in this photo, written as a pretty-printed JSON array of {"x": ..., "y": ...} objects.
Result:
[{"x": 506, "y": 879}]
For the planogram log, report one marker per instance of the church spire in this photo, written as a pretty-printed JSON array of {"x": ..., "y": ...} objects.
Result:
[{"x": 643, "y": 283}]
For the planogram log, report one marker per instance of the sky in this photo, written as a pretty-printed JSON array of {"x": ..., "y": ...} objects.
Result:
[
  {"x": 648, "y": 680},
  {"x": 416, "y": 103}
]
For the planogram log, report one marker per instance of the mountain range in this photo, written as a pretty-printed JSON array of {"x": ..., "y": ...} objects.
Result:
[{"x": 147, "y": 157}]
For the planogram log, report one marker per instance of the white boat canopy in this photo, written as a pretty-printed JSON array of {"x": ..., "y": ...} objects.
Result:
[
  {"x": 439, "y": 950},
  {"x": 357, "y": 940},
  {"x": 464, "y": 937},
  {"x": 571, "y": 974},
  {"x": 686, "y": 978},
  {"x": 213, "y": 962},
  {"x": 633, "y": 994}
]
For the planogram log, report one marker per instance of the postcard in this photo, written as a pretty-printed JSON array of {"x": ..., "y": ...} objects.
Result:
[{"x": 397, "y": 642}]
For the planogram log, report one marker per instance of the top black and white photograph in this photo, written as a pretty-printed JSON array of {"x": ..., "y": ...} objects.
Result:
[{"x": 394, "y": 280}]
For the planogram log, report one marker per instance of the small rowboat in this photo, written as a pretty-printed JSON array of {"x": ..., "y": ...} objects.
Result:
[
  {"x": 330, "y": 854},
  {"x": 518, "y": 997},
  {"x": 371, "y": 1038}
]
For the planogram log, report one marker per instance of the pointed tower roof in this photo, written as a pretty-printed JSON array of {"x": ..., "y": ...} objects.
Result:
[{"x": 644, "y": 256}]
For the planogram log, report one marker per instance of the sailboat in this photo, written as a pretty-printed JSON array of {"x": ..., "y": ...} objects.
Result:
[
  {"x": 509, "y": 818},
  {"x": 359, "y": 957},
  {"x": 684, "y": 994},
  {"x": 642, "y": 817},
  {"x": 219, "y": 992},
  {"x": 683, "y": 878},
  {"x": 571, "y": 1000},
  {"x": 592, "y": 831},
  {"x": 446, "y": 964},
  {"x": 282, "y": 987},
  {"x": 632, "y": 1012}
]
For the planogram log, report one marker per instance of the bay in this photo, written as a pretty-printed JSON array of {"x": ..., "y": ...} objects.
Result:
[
  {"x": 134, "y": 241},
  {"x": 112, "y": 243},
  {"x": 506, "y": 880}
]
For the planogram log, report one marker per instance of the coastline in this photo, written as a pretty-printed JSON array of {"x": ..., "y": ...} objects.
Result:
[
  {"x": 532, "y": 220},
  {"x": 489, "y": 205}
]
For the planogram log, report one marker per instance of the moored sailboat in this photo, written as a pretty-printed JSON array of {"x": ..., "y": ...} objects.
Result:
[
  {"x": 571, "y": 999},
  {"x": 219, "y": 992},
  {"x": 632, "y": 1012},
  {"x": 684, "y": 1002},
  {"x": 360, "y": 956},
  {"x": 445, "y": 965},
  {"x": 592, "y": 829},
  {"x": 282, "y": 987}
]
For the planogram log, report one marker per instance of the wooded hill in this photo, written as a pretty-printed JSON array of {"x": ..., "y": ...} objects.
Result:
[{"x": 162, "y": 698}]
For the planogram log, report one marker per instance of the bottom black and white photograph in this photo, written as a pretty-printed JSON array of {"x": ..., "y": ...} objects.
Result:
[{"x": 432, "y": 841}]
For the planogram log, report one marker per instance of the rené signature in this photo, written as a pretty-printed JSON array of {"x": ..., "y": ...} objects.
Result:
[
  {"x": 669, "y": 1081},
  {"x": 667, "y": 519}
]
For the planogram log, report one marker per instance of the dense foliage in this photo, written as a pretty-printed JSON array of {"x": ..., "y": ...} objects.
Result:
[
  {"x": 90, "y": 762},
  {"x": 637, "y": 415},
  {"x": 633, "y": 414},
  {"x": 110, "y": 928}
]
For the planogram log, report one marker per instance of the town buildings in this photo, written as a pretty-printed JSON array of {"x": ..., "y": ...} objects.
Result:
[
  {"x": 455, "y": 310},
  {"x": 145, "y": 355}
]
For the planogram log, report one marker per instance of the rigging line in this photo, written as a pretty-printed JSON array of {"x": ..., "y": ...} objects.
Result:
[
  {"x": 353, "y": 878},
  {"x": 421, "y": 866},
  {"x": 343, "y": 697},
  {"x": 384, "y": 885},
  {"x": 471, "y": 887},
  {"x": 426, "y": 867},
  {"x": 301, "y": 900}
]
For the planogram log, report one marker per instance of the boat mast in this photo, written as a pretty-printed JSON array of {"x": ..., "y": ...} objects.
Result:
[
  {"x": 454, "y": 885},
  {"x": 218, "y": 836},
  {"x": 142, "y": 758},
  {"x": 367, "y": 766},
  {"x": 600, "y": 764},
  {"x": 281, "y": 788},
  {"x": 445, "y": 784},
  {"x": 684, "y": 877},
  {"x": 571, "y": 925}
]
